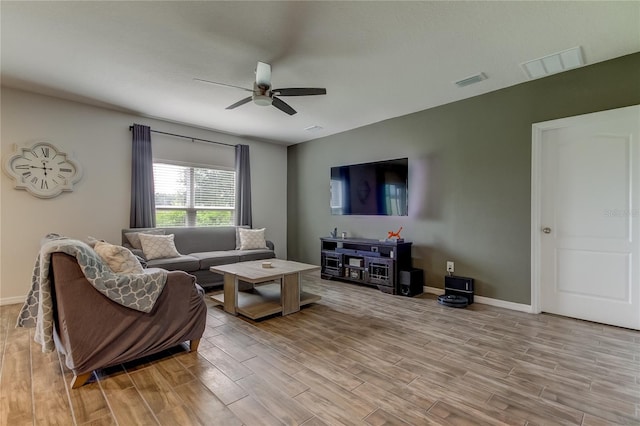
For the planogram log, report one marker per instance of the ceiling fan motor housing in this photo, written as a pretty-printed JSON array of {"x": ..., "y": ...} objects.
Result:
[{"x": 261, "y": 95}]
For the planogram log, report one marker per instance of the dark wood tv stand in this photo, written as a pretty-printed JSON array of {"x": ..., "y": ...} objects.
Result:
[{"x": 365, "y": 261}]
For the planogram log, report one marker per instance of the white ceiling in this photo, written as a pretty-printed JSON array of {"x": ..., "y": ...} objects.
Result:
[{"x": 378, "y": 60}]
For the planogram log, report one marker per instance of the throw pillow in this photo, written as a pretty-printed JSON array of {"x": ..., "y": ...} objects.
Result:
[
  {"x": 119, "y": 259},
  {"x": 238, "y": 235},
  {"x": 158, "y": 246},
  {"x": 251, "y": 239},
  {"x": 91, "y": 241},
  {"x": 134, "y": 237}
]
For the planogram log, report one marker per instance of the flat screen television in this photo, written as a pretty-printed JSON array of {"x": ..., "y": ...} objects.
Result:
[{"x": 379, "y": 188}]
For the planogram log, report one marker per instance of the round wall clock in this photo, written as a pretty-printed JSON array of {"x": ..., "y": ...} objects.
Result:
[{"x": 43, "y": 170}]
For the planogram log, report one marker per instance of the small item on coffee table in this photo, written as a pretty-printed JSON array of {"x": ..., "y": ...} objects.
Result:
[{"x": 266, "y": 264}]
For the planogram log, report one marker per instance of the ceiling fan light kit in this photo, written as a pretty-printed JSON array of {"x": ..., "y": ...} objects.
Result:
[
  {"x": 263, "y": 95},
  {"x": 262, "y": 100}
]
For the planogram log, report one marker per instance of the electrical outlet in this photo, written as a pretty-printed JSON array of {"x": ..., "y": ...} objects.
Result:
[{"x": 450, "y": 267}]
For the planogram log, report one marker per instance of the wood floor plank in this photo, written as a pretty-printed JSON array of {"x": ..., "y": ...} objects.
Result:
[
  {"x": 237, "y": 349},
  {"x": 225, "y": 363},
  {"x": 326, "y": 410},
  {"x": 328, "y": 370},
  {"x": 174, "y": 372},
  {"x": 400, "y": 407},
  {"x": 462, "y": 414},
  {"x": 329, "y": 391},
  {"x": 50, "y": 399},
  {"x": 205, "y": 406},
  {"x": 619, "y": 412},
  {"x": 278, "y": 378},
  {"x": 88, "y": 404},
  {"x": 252, "y": 413},
  {"x": 383, "y": 418},
  {"x": 536, "y": 410},
  {"x": 314, "y": 421},
  {"x": 277, "y": 401},
  {"x": 16, "y": 405},
  {"x": 129, "y": 408},
  {"x": 155, "y": 390},
  {"x": 216, "y": 381},
  {"x": 276, "y": 359},
  {"x": 180, "y": 415}
]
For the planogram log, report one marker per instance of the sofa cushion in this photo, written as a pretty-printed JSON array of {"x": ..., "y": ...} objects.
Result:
[
  {"x": 215, "y": 258},
  {"x": 158, "y": 246},
  {"x": 258, "y": 254},
  {"x": 182, "y": 263}
]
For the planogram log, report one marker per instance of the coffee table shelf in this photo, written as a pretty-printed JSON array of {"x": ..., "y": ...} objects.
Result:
[
  {"x": 263, "y": 300},
  {"x": 285, "y": 297}
]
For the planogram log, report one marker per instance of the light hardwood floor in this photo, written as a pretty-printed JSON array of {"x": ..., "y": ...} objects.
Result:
[{"x": 358, "y": 356}]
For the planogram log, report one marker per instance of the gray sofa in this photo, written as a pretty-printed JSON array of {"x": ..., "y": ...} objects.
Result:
[{"x": 201, "y": 248}]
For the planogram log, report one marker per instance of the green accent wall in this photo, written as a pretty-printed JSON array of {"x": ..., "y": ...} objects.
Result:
[{"x": 470, "y": 176}]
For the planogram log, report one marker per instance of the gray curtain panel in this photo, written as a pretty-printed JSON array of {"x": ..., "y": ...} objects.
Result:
[
  {"x": 143, "y": 214},
  {"x": 243, "y": 186}
]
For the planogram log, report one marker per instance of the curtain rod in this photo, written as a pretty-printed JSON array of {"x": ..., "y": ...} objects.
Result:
[{"x": 186, "y": 137}]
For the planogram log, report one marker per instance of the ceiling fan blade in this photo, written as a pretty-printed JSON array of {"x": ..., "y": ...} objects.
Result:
[
  {"x": 240, "y": 102},
  {"x": 283, "y": 106},
  {"x": 300, "y": 91},
  {"x": 263, "y": 75},
  {"x": 223, "y": 84}
]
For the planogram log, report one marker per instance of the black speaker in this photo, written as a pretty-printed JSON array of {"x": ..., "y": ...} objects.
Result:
[
  {"x": 459, "y": 286},
  {"x": 411, "y": 282}
]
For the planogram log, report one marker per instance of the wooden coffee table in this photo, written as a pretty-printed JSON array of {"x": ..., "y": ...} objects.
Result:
[{"x": 286, "y": 296}]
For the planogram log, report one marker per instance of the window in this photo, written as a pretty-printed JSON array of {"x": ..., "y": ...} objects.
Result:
[{"x": 193, "y": 196}]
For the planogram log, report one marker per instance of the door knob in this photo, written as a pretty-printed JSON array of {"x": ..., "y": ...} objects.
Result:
[{"x": 546, "y": 230}]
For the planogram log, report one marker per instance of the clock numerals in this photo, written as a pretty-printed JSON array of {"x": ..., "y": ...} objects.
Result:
[
  {"x": 65, "y": 170},
  {"x": 22, "y": 167},
  {"x": 44, "y": 185},
  {"x": 26, "y": 175},
  {"x": 45, "y": 151},
  {"x": 34, "y": 180}
]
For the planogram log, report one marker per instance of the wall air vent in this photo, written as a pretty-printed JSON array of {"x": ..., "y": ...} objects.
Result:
[
  {"x": 554, "y": 63},
  {"x": 471, "y": 80}
]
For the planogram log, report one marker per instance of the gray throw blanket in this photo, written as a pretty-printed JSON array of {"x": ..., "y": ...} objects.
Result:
[{"x": 135, "y": 291}]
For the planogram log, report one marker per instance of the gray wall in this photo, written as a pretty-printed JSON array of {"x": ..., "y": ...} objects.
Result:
[{"x": 470, "y": 176}]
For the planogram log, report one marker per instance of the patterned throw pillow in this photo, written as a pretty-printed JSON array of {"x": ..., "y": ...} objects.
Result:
[
  {"x": 134, "y": 237},
  {"x": 119, "y": 259},
  {"x": 158, "y": 246},
  {"x": 251, "y": 239},
  {"x": 238, "y": 235}
]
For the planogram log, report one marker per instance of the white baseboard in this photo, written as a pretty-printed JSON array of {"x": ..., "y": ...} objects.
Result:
[
  {"x": 487, "y": 301},
  {"x": 12, "y": 300}
]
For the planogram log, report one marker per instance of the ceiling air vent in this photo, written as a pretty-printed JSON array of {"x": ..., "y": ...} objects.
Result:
[
  {"x": 471, "y": 80},
  {"x": 554, "y": 63}
]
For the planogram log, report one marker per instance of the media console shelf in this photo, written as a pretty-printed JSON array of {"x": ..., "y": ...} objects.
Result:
[{"x": 365, "y": 261}]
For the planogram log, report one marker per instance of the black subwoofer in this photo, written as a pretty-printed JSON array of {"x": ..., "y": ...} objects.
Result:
[{"x": 411, "y": 282}]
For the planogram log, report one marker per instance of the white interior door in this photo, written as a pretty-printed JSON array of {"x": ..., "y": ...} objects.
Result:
[{"x": 586, "y": 217}]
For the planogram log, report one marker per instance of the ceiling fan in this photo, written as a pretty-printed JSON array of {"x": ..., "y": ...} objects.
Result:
[{"x": 263, "y": 95}]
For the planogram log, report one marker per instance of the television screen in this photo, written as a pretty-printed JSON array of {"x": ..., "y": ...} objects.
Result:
[{"x": 378, "y": 188}]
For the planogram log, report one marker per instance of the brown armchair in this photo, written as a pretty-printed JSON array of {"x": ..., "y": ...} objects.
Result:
[{"x": 95, "y": 332}]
